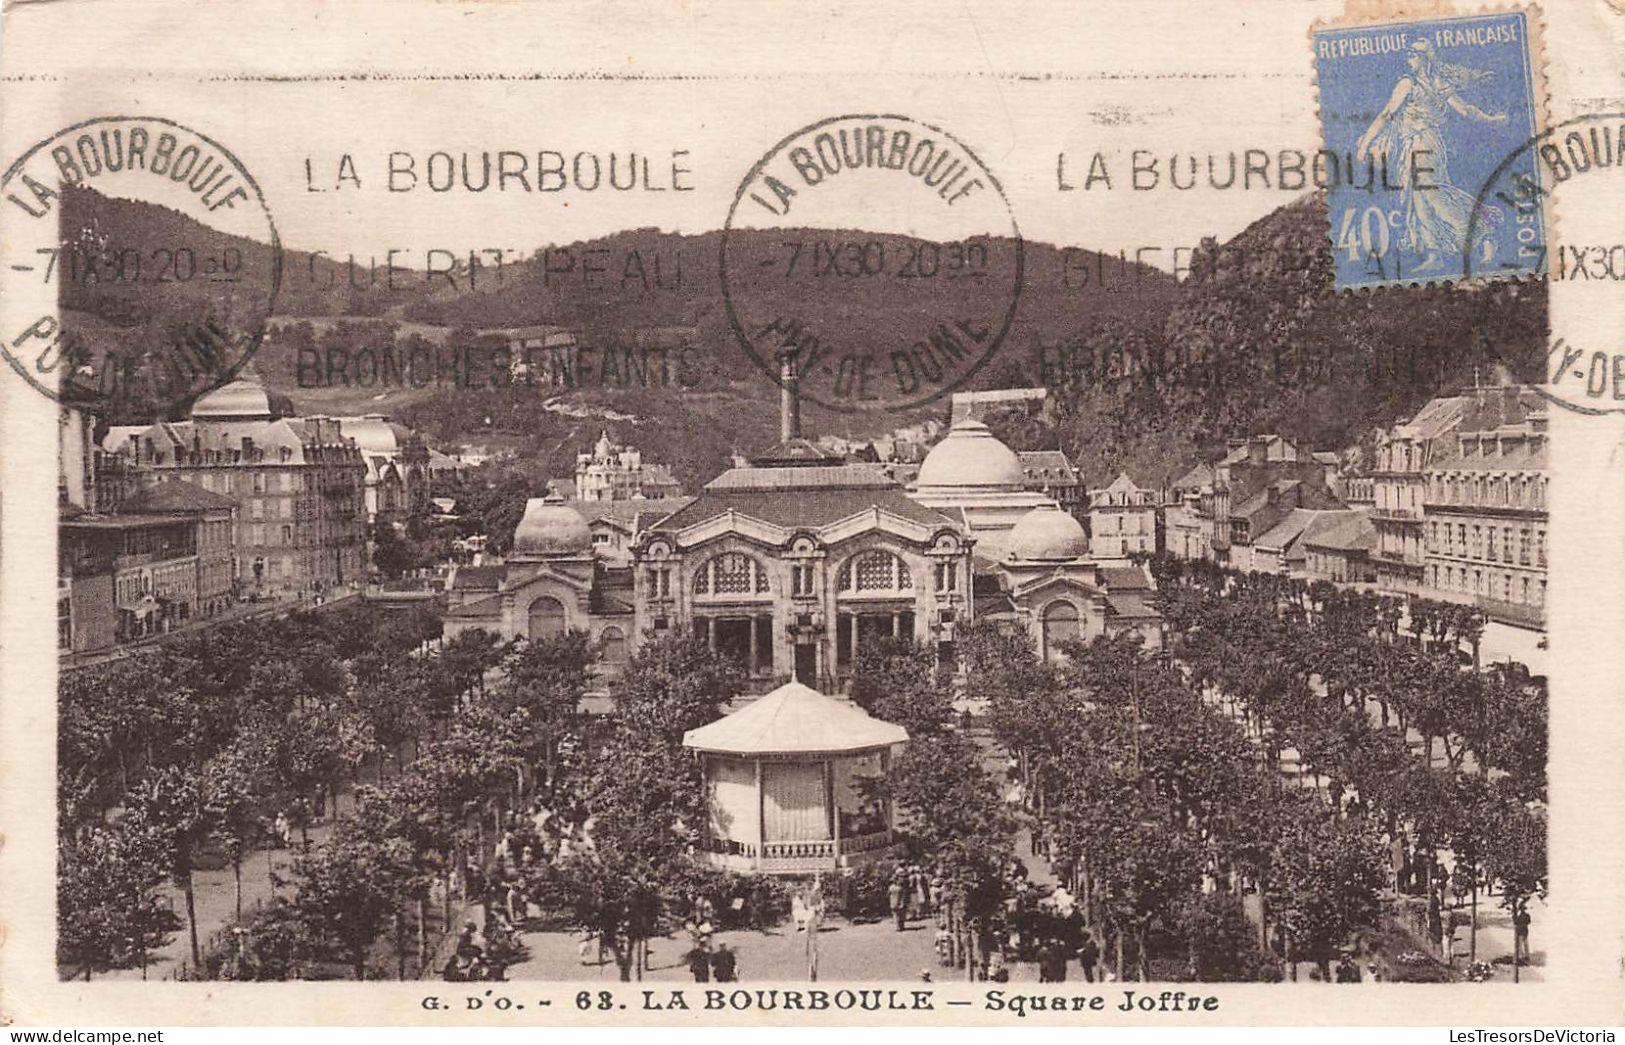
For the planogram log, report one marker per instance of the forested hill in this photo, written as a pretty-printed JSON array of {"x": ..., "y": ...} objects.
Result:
[
  {"x": 1258, "y": 341},
  {"x": 1148, "y": 373}
]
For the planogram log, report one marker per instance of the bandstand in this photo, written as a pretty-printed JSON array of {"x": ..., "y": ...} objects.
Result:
[{"x": 783, "y": 779}]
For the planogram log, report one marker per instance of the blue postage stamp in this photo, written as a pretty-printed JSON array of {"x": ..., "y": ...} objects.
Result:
[{"x": 1417, "y": 118}]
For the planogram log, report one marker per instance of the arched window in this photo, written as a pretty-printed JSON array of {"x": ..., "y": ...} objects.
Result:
[
  {"x": 731, "y": 575},
  {"x": 612, "y": 642},
  {"x": 874, "y": 572},
  {"x": 546, "y": 618},
  {"x": 1060, "y": 625}
]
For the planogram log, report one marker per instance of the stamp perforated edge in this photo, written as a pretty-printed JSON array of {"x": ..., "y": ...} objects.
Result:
[{"x": 1359, "y": 13}]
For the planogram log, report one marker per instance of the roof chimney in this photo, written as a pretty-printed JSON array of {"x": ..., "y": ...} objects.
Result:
[{"x": 789, "y": 399}]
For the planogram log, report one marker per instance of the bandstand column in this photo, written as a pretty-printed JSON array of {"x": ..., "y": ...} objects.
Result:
[
  {"x": 829, "y": 797},
  {"x": 761, "y": 817}
]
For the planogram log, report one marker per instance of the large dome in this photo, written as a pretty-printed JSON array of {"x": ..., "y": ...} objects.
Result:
[
  {"x": 1047, "y": 533},
  {"x": 971, "y": 457},
  {"x": 241, "y": 401},
  {"x": 551, "y": 528}
]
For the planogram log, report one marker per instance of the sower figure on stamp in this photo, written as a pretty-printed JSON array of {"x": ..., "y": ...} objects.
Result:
[{"x": 1409, "y": 130}]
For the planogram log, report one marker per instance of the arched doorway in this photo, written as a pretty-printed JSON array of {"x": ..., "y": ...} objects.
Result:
[
  {"x": 1060, "y": 625},
  {"x": 612, "y": 645},
  {"x": 546, "y": 618}
]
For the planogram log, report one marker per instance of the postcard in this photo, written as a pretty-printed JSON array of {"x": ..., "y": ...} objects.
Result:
[{"x": 1082, "y": 514}]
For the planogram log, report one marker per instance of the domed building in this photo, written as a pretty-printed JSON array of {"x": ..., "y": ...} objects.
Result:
[
  {"x": 1033, "y": 563},
  {"x": 241, "y": 400},
  {"x": 551, "y": 530},
  {"x": 1057, "y": 591},
  {"x": 1047, "y": 534},
  {"x": 549, "y": 584},
  {"x": 970, "y": 458},
  {"x": 974, "y": 476}
]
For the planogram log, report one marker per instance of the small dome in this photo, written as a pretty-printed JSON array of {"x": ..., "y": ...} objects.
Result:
[
  {"x": 971, "y": 456},
  {"x": 1047, "y": 533},
  {"x": 241, "y": 401},
  {"x": 551, "y": 528}
]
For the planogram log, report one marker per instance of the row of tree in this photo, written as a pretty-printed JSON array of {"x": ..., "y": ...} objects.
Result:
[
  {"x": 1329, "y": 674},
  {"x": 217, "y": 743}
]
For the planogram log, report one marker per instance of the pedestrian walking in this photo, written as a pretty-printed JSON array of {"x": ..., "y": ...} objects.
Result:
[
  {"x": 1057, "y": 962},
  {"x": 1089, "y": 956},
  {"x": 897, "y": 898},
  {"x": 724, "y": 964},
  {"x": 699, "y": 964}
]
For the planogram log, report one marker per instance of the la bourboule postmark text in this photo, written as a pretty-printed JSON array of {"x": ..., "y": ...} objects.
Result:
[
  {"x": 876, "y": 252},
  {"x": 143, "y": 308}
]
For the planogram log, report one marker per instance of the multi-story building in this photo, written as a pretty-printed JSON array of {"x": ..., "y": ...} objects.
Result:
[
  {"x": 298, "y": 483},
  {"x": 1484, "y": 512},
  {"x": 615, "y": 525},
  {"x": 1051, "y": 474},
  {"x": 124, "y": 577},
  {"x": 609, "y": 472},
  {"x": 797, "y": 561},
  {"x": 1187, "y": 530},
  {"x": 397, "y": 460},
  {"x": 214, "y": 519},
  {"x": 1122, "y": 520},
  {"x": 1337, "y": 547},
  {"x": 1399, "y": 480},
  {"x": 1256, "y": 485}
]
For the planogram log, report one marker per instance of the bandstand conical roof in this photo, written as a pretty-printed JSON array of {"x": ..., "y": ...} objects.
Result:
[{"x": 795, "y": 720}]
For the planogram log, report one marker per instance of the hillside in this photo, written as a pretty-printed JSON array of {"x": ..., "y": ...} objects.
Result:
[
  {"x": 1147, "y": 373},
  {"x": 1258, "y": 341}
]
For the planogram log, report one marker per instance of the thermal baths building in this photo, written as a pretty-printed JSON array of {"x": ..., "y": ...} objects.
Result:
[{"x": 795, "y": 562}]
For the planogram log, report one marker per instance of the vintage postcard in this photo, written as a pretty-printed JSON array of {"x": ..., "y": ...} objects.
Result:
[{"x": 641, "y": 514}]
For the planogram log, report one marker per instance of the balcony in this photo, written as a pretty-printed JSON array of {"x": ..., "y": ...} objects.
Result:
[
  {"x": 1397, "y": 514},
  {"x": 800, "y": 857}
]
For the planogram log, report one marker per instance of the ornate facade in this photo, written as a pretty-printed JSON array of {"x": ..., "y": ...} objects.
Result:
[
  {"x": 795, "y": 563},
  {"x": 397, "y": 459}
]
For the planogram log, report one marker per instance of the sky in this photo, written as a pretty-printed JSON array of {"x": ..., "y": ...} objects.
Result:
[{"x": 708, "y": 90}]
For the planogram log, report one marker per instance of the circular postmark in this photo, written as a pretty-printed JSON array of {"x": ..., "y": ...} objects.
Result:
[
  {"x": 142, "y": 266},
  {"x": 875, "y": 253},
  {"x": 1586, "y": 379}
]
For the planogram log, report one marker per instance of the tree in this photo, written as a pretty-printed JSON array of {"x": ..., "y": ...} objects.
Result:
[
  {"x": 391, "y": 555},
  {"x": 644, "y": 799},
  {"x": 109, "y": 914},
  {"x": 172, "y": 802},
  {"x": 1223, "y": 948},
  {"x": 231, "y": 790},
  {"x": 673, "y": 684},
  {"x": 645, "y": 804},
  {"x": 1517, "y": 860},
  {"x": 952, "y": 815},
  {"x": 898, "y": 681},
  {"x": 1328, "y": 873},
  {"x": 547, "y": 678},
  {"x": 347, "y": 894}
]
